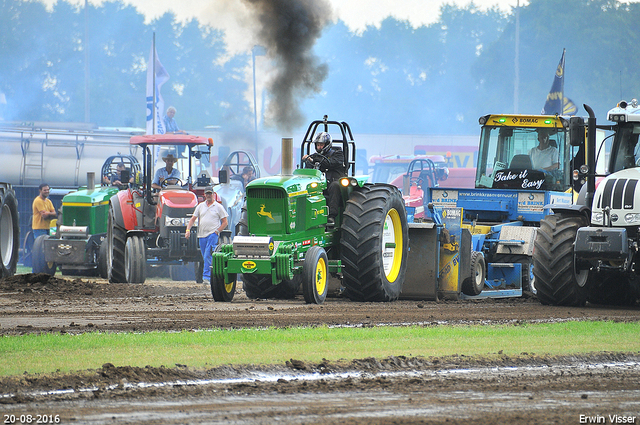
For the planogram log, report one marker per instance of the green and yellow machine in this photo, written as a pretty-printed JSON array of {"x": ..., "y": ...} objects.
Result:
[
  {"x": 75, "y": 244},
  {"x": 284, "y": 241}
]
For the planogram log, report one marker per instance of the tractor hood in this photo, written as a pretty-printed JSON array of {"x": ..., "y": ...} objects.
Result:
[
  {"x": 301, "y": 182},
  {"x": 617, "y": 200},
  {"x": 89, "y": 197},
  {"x": 280, "y": 205}
]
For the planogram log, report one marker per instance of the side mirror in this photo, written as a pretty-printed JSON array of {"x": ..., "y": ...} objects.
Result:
[
  {"x": 577, "y": 131},
  {"x": 223, "y": 176}
]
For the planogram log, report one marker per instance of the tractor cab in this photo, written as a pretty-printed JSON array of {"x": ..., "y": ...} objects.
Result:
[
  {"x": 120, "y": 171},
  {"x": 530, "y": 152}
]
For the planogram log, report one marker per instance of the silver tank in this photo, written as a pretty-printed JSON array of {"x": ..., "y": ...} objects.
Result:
[{"x": 60, "y": 154}]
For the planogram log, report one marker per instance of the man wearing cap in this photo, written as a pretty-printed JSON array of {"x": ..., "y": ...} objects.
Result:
[
  {"x": 166, "y": 173},
  {"x": 212, "y": 219}
]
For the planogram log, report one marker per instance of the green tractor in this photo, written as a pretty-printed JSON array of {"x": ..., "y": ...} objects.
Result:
[
  {"x": 76, "y": 246},
  {"x": 284, "y": 241}
]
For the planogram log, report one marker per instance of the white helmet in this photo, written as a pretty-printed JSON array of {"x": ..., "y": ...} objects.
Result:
[{"x": 325, "y": 138}]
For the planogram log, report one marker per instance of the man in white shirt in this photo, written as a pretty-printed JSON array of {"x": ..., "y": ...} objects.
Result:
[
  {"x": 544, "y": 156},
  {"x": 168, "y": 173},
  {"x": 212, "y": 219}
]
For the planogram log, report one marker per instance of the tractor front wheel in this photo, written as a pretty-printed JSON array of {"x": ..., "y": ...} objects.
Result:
[
  {"x": 315, "y": 278},
  {"x": 135, "y": 260},
  {"x": 39, "y": 264},
  {"x": 103, "y": 257},
  {"x": 223, "y": 292},
  {"x": 374, "y": 243},
  {"x": 116, "y": 239}
]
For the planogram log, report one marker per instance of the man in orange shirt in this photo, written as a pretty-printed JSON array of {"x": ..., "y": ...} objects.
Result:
[{"x": 43, "y": 212}]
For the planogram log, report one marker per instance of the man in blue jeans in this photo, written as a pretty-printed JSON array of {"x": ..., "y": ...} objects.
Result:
[{"x": 212, "y": 219}]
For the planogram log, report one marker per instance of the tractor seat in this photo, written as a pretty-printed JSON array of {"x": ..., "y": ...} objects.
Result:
[{"x": 521, "y": 161}]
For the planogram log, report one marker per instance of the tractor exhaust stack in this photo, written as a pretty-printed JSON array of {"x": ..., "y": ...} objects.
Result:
[
  {"x": 91, "y": 180},
  {"x": 287, "y": 156}
]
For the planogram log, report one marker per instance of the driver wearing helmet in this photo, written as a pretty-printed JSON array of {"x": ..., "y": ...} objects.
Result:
[{"x": 330, "y": 160}]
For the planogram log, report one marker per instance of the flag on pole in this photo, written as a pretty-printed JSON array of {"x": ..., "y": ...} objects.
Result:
[
  {"x": 556, "y": 102},
  {"x": 156, "y": 76}
]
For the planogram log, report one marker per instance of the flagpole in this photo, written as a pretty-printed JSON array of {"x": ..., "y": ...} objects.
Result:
[
  {"x": 516, "y": 82},
  {"x": 153, "y": 60},
  {"x": 564, "y": 70}
]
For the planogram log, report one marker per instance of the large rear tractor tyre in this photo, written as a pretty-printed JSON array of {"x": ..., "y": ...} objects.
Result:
[
  {"x": 374, "y": 243},
  {"x": 116, "y": 239},
  {"x": 556, "y": 279},
  {"x": 315, "y": 276},
  {"x": 135, "y": 260},
  {"x": 526, "y": 262},
  {"x": 39, "y": 264},
  {"x": 223, "y": 292},
  {"x": 9, "y": 231},
  {"x": 473, "y": 285}
]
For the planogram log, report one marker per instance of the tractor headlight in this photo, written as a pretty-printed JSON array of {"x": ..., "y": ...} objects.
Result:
[
  {"x": 632, "y": 218},
  {"x": 176, "y": 221},
  {"x": 597, "y": 217},
  {"x": 346, "y": 182}
]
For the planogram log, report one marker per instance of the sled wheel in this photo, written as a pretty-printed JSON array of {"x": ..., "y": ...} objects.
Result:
[{"x": 474, "y": 284}]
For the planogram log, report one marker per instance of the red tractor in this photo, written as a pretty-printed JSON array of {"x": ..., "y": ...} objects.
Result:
[{"x": 147, "y": 224}]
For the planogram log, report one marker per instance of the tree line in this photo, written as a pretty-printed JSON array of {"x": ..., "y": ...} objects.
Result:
[{"x": 434, "y": 79}]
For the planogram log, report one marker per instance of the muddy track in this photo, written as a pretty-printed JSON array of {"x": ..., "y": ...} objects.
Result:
[{"x": 458, "y": 389}]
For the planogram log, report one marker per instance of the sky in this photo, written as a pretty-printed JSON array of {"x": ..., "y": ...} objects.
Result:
[{"x": 234, "y": 18}]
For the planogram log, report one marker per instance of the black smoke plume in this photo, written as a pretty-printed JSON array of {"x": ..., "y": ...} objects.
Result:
[{"x": 289, "y": 30}]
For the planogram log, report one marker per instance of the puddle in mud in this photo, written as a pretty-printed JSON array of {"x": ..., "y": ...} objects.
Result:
[{"x": 254, "y": 377}]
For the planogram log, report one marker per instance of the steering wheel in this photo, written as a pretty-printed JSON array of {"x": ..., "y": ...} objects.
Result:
[
  {"x": 316, "y": 164},
  {"x": 417, "y": 181},
  {"x": 166, "y": 183},
  {"x": 322, "y": 159}
]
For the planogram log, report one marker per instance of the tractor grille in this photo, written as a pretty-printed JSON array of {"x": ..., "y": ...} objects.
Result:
[
  {"x": 265, "y": 193},
  {"x": 618, "y": 194}
]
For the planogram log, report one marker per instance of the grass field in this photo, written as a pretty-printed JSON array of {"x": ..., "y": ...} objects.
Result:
[{"x": 64, "y": 352}]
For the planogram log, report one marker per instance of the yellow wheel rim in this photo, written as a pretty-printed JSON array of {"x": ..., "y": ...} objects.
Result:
[
  {"x": 228, "y": 287},
  {"x": 392, "y": 245},
  {"x": 321, "y": 276}
]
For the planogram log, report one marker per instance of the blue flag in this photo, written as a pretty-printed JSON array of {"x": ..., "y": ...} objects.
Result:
[{"x": 556, "y": 102}]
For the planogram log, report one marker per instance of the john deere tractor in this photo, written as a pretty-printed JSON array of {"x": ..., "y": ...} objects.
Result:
[
  {"x": 76, "y": 246},
  {"x": 284, "y": 240}
]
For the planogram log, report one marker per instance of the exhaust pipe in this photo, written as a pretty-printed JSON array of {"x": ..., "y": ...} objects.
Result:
[
  {"x": 91, "y": 180},
  {"x": 287, "y": 156}
]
